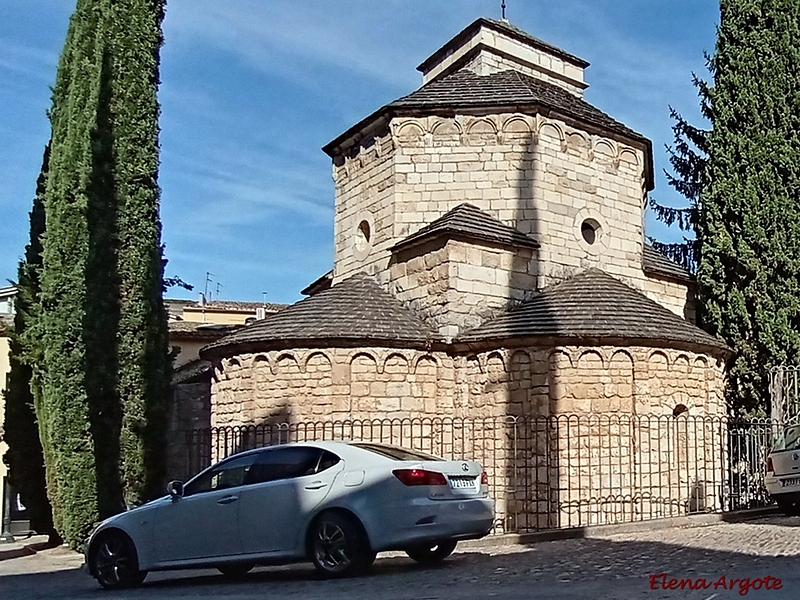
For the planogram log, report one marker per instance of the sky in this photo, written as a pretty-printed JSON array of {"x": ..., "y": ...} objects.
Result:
[{"x": 252, "y": 89}]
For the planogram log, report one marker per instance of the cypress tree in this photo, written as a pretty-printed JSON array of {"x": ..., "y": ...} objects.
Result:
[
  {"x": 103, "y": 329},
  {"x": 66, "y": 317},
  {"x": 25, "y": 458},
  {"x": 143, "y": 339},
  {"x": 749, "y": 222}
]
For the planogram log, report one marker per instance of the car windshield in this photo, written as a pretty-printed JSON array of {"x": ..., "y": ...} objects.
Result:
[
  {"x": 788, "y": 439},
  {"x": 396, "y": 453}
]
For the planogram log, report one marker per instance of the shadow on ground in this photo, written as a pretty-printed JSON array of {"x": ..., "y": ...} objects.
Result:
[{"x": 577, "y": 568}]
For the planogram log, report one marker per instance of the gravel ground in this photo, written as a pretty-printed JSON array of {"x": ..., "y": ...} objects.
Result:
[{"x": 614, "y": 566}]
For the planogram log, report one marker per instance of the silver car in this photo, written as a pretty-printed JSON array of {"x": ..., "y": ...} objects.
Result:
[
  {"x": 334, "y": 503},
  {"x": 783, "y": 471}
]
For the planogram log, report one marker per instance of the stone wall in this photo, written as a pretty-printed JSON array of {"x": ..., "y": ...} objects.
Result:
[
  {"x": 674, "y": 295},
  {"x": 190, "y": 411},
  {"x": 537, "y": 174},
  {"x": 456, "y": 285},
  {"x": 571, "y": 435},
  {"x": 363, "y": 221},
  {"x": 345, "y": 383},
  {"x": 494, "y": 51}
]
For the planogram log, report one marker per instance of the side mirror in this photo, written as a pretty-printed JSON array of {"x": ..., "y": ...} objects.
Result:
[{"x": 175, "y": 490}]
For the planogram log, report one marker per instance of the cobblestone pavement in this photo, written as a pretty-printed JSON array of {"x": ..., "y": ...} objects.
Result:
[{"x": 620, "y": 566}]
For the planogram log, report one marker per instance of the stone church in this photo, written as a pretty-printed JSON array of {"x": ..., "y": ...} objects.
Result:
[{"x": 489, "y": 260}]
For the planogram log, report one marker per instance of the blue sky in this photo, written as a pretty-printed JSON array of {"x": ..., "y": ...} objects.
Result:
[{"x": 252, "y": 89}]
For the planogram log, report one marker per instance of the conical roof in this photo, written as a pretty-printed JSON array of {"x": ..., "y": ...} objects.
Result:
[
  {"x": 593, "y": 305},
  {"x": 354, "y": 310}
]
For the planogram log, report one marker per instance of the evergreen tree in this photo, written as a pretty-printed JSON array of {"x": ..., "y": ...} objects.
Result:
[
  {"x": 68, "y": 366},
  {"x": 25, "y": 457},
  {"x": 688, "y": 160},
  {"x": 103, "y": 330},
  {"x": 143, "y": 338},
  {"x": 749, "y": 222}
]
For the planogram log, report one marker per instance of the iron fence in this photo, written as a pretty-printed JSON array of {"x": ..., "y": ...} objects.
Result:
[{"x": 564, "y": 470}]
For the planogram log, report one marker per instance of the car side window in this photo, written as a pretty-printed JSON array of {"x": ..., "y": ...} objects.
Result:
[
  {"x": 229, "y": 474},
  {"x": 287, "y": 463}
]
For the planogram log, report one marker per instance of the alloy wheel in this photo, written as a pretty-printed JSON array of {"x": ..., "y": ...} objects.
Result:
[
  {"x": 114, "y": 563},
  {"x": 331, "y": 547}
]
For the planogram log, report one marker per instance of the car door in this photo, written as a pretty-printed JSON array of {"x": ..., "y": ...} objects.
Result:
[
  {"x": 204, "y": 523},
  {"x": 284, "y": 486}
]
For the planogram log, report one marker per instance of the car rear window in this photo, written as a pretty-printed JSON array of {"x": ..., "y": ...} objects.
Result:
[
  {"x": 788, "y": 439},
  {"x": 396, "y": 453}
]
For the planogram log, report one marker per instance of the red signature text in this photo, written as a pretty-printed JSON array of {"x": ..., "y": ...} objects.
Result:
[{"x": 662, "y": 581}]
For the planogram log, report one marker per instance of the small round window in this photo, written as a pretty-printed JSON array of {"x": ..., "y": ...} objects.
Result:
[
  {"x": 590, "y": 231},
  {"x": 363, "y": 236}
]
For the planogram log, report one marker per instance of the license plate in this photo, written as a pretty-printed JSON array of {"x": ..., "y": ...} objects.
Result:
[
  {"x": 790, "y": 482},
  {"x": 461, "y": 483}
]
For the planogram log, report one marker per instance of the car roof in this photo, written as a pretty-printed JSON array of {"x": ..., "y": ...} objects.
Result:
[{"x": 342, "y": 448}]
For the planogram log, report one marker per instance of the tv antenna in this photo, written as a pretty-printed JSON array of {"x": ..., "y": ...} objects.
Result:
[
  {"x": 209, "y": 275},
  {"x": 503, "y": 10}
]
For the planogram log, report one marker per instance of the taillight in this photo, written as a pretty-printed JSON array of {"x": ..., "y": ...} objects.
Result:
[
  {"x": 770, "y": 468},
  {"x": 484, "y": 478},
  {"x": 419, "y": 477}
]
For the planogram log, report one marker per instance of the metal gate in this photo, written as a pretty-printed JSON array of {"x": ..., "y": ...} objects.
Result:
[{"x": 784, "y": 391}]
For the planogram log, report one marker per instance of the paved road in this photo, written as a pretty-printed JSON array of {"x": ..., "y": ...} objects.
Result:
[{"x": 599, "y": 568}]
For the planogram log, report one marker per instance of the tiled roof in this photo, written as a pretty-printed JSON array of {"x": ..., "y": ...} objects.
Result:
[
  {"x": 191, "y": 371},
  {"x": 653, "y": 262},
  {"x": 507, "y": 28},
  {"x": 467, "y": 220},
  {"x": 465, "y": 89},
  {"x": 357, "y": 309},
  {"x": 242, "y": 306},
  {"x": 320, "y": 284},
  {"x": 201, "y": 331},
  {"x": 593, "y": 305}
]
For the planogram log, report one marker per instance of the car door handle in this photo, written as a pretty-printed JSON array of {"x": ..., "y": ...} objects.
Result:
[
  {"x": 227, "y": 500},
  {"x": 315, "y": 485}
]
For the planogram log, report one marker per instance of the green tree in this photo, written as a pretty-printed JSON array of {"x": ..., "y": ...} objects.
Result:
[
  {"x": 688, "y": 159},
  {"x": 25, "y": 457},
  {"x": 144, "y": 368},
  {"x": 749, "y": 223},
  {"x": 103, "y": 331}
]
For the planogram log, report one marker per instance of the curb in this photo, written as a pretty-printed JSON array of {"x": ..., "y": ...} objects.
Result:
[
  {"x": 590, "y": 531},
  {"x": 20, "y": 549},
  {"x": 16, "y": 553}
]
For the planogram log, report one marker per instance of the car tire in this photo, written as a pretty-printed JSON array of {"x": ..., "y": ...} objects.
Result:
[
  {"x": 114, "y": 563},
  {"x": 339, "y": 547},
  {"x": 234, "y": 570},
  {"x": 789, "y": 507},
  {"x": 432, "y": 554}
]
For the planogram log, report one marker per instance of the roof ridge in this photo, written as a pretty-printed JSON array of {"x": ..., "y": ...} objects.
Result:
[{"x": 495, "y": 230}]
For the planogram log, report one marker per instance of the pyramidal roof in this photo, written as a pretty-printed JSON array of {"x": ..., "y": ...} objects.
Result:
[
  {"x": 655, "y": 263},
  {"x": 356, "y": 309},
  {"x": 468, "y": 221},
  {"x": 593, "y": 304}
]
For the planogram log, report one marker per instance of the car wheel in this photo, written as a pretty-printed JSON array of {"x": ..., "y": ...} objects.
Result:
[
  {"x": 789, "y": 507},
  {"x": 235, "y": 569},
  {"x": 114, "y": 563},
  {"x": 339, "y": 548},
  {"x": 432, "y": 554}
]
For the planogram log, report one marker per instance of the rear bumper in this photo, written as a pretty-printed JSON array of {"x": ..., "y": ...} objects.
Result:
[
  {"x": 433, "y": 520},
  {"x": 783, "y": 485}
]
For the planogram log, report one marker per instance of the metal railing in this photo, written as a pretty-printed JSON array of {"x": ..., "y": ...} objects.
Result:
[{"x": 560, "y": 471}]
